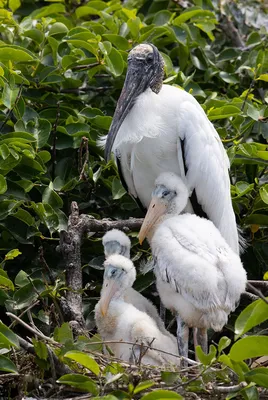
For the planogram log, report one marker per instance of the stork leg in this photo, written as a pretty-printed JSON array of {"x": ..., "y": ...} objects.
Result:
[
  {"x": 162, "y": 312},
  {"x": 183, "y": 339},
  {"x": 200, "y": 338}
]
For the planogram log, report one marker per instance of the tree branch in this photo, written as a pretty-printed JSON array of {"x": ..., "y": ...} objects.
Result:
[
  {"x": 227, "y": 26},
  {"x": 70, "y": 244}
]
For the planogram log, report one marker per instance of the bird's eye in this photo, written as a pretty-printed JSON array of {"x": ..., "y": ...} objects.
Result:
[
  {"x": 165, "y": 193},
  {"x": 150, "y": 57},
  {"x": 113, "y": 272}
]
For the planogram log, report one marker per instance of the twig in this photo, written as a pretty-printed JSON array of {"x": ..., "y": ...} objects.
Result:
[
  {"x": 87, "y": 66},
  {"x": 252, "y": 83},
  {"x": 34, "y": 331},
  {"x": 82, "y": 165},
  {"x": 227, "y": 26},
  {"x": 23, "y": 312},
  {"x": 54, "y": 140},
  {"x": 60, "y": 368},
  {"x": 45, "y": 264},
  {"x": 229, "y": 389},
  {"x": 250, "y": 296},
  {"x": 257, "y": 292},
  {"x": 262, "y": 284},
  {"x": 32, "y": 322},
  {"x": 192, "y": 362}
]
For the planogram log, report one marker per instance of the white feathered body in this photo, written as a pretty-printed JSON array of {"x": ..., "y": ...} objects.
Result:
[
  {"x": 140, "y": 302},
  {"x": 197, "y": 273},
  {"x": 149, "y": 143},
  {"x": 126, "y": 323}
]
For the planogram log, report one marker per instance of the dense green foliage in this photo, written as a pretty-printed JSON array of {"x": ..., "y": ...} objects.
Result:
[{"x": 62, "y": 66}]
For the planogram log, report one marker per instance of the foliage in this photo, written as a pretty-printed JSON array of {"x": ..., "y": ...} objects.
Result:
[{"x": 62, "y": 67}]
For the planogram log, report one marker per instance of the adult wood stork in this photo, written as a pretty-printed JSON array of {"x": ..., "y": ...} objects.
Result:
[
  {"x": 159, "y": 128},
  {"x": 120, "y": 321},
  {"x": 198, "y": 275},
  {"x": 117, "y": 242}
]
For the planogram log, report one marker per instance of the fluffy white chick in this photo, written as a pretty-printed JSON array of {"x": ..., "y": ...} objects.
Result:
[{"x": 120, "y": 321}]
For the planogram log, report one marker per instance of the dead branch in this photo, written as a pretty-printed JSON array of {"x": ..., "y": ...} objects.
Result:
[
  {"x": 227, "y": 26},
  {"x": 229, "y": 389},
  {"x": 257, "y": 292},
  {"x": 60, "y": 368},
  {"x": 70, "y": 244},
  {"x": 83, "y": 164}
]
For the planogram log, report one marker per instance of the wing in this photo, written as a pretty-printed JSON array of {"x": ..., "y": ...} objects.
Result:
[
  {"x": 207, "y": 166},
  {"x": 188, "y": 265}
]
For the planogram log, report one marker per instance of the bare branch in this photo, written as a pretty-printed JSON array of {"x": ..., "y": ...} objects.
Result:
[
  {"x": 257, "y": 292},
  {"x": 227, "y": 26},
  {"x": 82, "y": 165},
  {"x": 229, "y": 389},
  {"x": 34, "y": 331}
]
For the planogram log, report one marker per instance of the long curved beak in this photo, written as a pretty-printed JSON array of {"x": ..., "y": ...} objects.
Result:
[
  {"x": 136, "y": 82},
  {"x": 109, "y": 288},
  {"x": 156, "y": 210}
]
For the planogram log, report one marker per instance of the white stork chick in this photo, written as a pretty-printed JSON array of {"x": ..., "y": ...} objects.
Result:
[
  {"x": 117, "y": 242},
  {"x": 199, "y": 277},
  {"x": 123, "y": 322}
]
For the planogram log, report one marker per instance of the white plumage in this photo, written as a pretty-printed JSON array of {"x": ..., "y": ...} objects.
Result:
[
  {"x": 120, "y": 321},
  {"x": 198, "y": 275},
  {"x": 117, "y": 242},
  {"x": 165, "y": 129}
]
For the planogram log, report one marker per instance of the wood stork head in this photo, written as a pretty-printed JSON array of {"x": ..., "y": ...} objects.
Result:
[
  {"x": 170, "y": 196},
  {"x": 116, "y": 242},
  {"x": 145, "y": 70},
  {"x": 119, "y": 274}
]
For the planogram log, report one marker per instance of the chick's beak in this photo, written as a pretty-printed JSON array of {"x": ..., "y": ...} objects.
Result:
[
  {"x": 109, "y": 288},
  {"x": 155, "y": 210}
]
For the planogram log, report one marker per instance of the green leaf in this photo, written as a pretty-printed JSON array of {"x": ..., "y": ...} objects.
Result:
[
  {"x": 79, "y": 381},
  {"x": 21, "y": 279},
  {"x": 117, "y": 189},
  {"x": 40, "y": 349},
  {"x": 51, "y": 197},
  {"x": 14, "y": 5},
  {"x": 48, "y": 11},
  {"x": 28, "y": 294},
  {"x": 63, "y": 334},
  {"x": 161, "y": 395},
  {"x": 264, "y": 193},
  {"x": 143, "y": 386},
  {"x": 223, "y": 112},
  {"x": 206, "y": 359},
  {"x": 253, "y": 315},
  {"x": 6, "y": 283},
  {"x": 263, "y": 77},
  {"x": 85, "y": 360},
  {"x": 12, "y": 254},
  {"x": 114, "y": 62},
  {"x": 3, "y": 184},
  {"x": 9, "y": 53},
  {"x": 169, "y": 377},
  {"x": 9, "y": 95},
  {"x": 223, "y": 343},
  {"x": 249, "y": 347},
  {"x": 9, "y": 335},
  {"x": 259, "y": 376},
  {"x": 190, "y": 13},
  {"x": 7, "y": 365},
  {"x": 102, "y": 122},
  {"x": 119, "y": 41}
]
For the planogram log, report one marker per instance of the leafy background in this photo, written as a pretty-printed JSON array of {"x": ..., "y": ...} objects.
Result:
[{"x": 62, "y": 67}]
